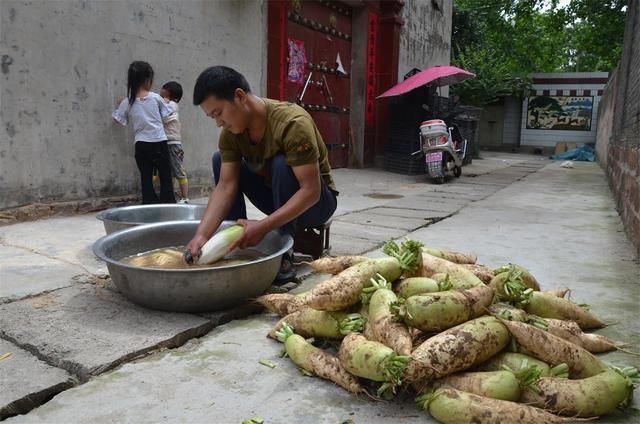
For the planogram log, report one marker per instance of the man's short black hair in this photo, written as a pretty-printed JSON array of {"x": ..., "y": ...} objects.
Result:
[
  {"x": 219, "y": 81},
  {"x": 174, "y": 89}
]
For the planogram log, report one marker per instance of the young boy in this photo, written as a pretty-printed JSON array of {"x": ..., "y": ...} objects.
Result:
[{"x": 171, "y": 92}]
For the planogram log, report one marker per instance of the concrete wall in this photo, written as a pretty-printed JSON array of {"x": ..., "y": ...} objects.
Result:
[
  {"x": 623, "y": 150},
  {"x": 425, "y": 39},
  {"x": 491, "y": 125},
  {"x": 604, "y": 132},
  {"x": 500, "y": 124},
  {"x": 64, "y": 62},
  {"x": 549, "y": 138},
  {"x": 512, "y": 118}
]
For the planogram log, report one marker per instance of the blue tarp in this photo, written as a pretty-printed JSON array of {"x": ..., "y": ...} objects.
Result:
[{"x": 584, "y": 153}]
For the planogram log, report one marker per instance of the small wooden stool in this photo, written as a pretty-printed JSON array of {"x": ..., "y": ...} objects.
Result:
[{"x": 313, "y": 241}]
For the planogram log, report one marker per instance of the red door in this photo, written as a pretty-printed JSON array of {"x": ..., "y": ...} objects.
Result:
[{"x": 306, "y": 38}]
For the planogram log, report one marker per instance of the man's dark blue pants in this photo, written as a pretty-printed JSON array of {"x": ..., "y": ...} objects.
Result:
[{"x": 284, "y": 185}]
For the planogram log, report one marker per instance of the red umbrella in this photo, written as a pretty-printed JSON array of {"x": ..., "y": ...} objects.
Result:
[{"x": 437, "y": 76}]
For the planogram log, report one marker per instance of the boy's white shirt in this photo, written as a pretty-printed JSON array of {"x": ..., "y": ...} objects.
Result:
[
  {"x": 172, "y": 125},
  {"x": 146, "y": 115}
]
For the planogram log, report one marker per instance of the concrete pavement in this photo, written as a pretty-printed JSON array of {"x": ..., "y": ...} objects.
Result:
[{"x": 560, "y": 223}]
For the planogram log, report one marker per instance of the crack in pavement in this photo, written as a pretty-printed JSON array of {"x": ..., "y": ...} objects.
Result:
[
  {"x": 30, "y": 250},
  {"x": 461, "y": 203}
]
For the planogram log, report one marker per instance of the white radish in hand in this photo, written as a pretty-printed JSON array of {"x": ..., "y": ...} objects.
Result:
[{"x": 219, "y": 245}]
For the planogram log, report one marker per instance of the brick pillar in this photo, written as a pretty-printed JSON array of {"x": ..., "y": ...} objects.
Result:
[
  {"x": 276, "y": 53},
  {"x": 388, "y": 56}
]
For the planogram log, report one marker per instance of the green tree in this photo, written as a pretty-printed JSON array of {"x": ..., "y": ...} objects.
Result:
[
  {"x": 494, "y": 78},
  {"x": 596, "y": 34},
  {"x": 503, "y": 42}
]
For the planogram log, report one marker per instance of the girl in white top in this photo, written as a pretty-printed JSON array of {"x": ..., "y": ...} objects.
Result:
[{"x": 146, "y": 111}]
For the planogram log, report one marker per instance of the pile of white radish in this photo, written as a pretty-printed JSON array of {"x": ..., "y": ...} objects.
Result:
[{"x": 475, "y": 344}]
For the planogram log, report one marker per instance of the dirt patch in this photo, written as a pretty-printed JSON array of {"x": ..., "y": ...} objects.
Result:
[
  {"x": 99, "y": 280},
  {"x": 44, "y": 301},
  {"x": 36, "y": 211}
]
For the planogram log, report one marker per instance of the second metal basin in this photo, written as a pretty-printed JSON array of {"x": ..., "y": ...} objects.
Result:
[{"x": 116, "y": 219}]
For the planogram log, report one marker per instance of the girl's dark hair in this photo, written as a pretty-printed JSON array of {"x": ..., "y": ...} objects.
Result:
[
  {"x": 174, "y": 89},
  {"x": 219, "y": 81},
  {"x": 138, "y": 73}
]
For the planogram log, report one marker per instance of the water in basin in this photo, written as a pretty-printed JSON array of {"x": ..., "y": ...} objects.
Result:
[{"x": 172, "y": 258}]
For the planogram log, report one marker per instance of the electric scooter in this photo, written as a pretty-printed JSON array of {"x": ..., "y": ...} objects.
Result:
[{"x": 443, "y": 149}]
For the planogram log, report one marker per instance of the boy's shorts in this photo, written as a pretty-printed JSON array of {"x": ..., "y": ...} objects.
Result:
[{"x": 176, "y": 154}]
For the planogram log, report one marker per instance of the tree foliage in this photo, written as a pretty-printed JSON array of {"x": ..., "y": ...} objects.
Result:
[
  {"x": 503, "y": 41},
  {"x": 597, "y": 34}
]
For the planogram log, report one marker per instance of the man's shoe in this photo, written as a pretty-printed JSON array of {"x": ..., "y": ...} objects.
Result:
[
  {"x": 287, "y": 270},
  {"x": 183, "y": 201}
]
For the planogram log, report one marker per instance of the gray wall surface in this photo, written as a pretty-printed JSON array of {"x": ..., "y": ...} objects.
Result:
[
  {"x": 492, "y": 125},
  {"x": 359, "y": 24},
  {"x": 425, "y": 38},
  {"x": 604, "y": 132},
  {"x": 512, "y": 117},
  {"x": 63, "y": 64}
]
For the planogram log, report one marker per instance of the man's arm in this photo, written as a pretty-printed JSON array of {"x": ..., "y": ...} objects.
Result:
[
  {"x": 220, "y": 201},
  {"x": 308, "y": 194}
]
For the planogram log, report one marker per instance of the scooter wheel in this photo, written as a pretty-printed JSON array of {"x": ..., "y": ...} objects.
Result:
[{"x": 457, "y": 171}]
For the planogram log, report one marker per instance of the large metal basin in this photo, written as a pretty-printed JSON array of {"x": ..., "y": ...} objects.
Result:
[
  {"x": 187, "y": 290},
  {"x": 116, "y": 219}
]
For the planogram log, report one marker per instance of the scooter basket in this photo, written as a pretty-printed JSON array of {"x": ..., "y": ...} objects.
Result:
[{"x": 433, "y": 128}]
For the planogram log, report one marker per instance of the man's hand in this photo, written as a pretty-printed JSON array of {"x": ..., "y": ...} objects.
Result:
[
  {"x": 254, "y": 232},
  {"x": 195, "y": 245}
]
